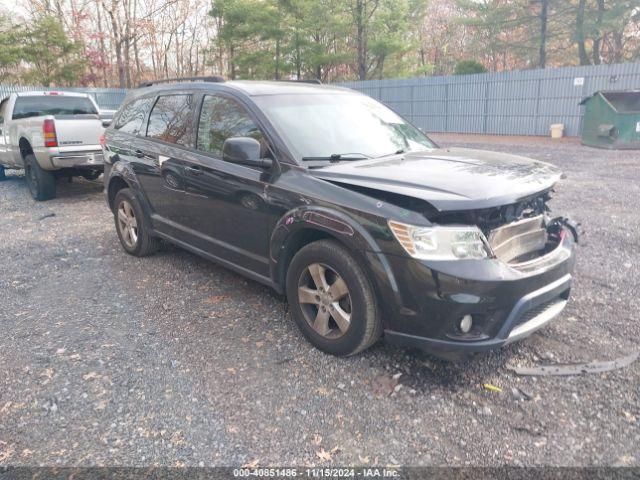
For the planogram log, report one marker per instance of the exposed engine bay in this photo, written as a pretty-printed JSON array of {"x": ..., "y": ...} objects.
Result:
[{"x": 517, "y": 233}]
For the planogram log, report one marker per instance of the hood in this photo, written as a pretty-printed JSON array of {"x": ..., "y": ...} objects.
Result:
[{"x": 451, "y": 178}]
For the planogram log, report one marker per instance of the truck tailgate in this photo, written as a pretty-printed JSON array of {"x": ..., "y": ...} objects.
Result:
[{"x": 78, "y": 130}]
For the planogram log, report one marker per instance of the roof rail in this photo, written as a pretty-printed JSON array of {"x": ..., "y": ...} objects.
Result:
[
  {"x": 210, "y": 78},
  {"x": 316, "y": 81}
]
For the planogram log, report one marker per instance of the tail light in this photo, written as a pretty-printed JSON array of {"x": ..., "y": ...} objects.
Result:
[
  {"x": 102, "y": 140},
  {"x": 49, "y": 132}
]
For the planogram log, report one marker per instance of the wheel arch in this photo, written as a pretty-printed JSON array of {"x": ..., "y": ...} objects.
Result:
[
  {"x": 305, "y": 225},
  {"x": 25, "y": 148},
  {"x": 116, "y": 183}
]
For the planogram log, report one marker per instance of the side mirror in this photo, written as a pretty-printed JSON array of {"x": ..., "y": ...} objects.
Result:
[
  {"x": 106, "y": 122},
  {"x": 244, "y": 151}
]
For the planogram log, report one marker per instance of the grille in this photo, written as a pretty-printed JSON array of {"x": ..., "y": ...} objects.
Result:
[{"x": 537, "y": 311}]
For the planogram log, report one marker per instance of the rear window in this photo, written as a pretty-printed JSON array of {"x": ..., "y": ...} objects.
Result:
[
  {"x": 36, "y": 106},
  {"x": 132, "y": 116},
  {"x": 170, "y": 119}
]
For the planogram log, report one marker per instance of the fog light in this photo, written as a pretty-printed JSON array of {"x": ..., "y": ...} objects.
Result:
[{"x": 466, "y": 323}]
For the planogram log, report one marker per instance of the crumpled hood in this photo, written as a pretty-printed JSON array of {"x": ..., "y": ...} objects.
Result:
[{"x": 451, "y": 178}]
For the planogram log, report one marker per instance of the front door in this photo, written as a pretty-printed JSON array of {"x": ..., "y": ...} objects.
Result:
[{"x": 227, "y": 199}]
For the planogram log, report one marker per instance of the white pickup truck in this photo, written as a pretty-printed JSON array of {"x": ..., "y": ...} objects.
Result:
[{"x": 50, "y": 135}]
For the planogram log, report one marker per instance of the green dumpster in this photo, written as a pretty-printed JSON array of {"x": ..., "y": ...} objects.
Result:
[{"x": 612, "y": 120}]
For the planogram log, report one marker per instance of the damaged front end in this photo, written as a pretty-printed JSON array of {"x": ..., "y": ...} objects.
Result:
[
  {"x": 523, "y": 235},
  {"x": 483, "y": 303}
]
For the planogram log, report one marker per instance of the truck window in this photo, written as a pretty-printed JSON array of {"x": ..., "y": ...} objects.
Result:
[
  {"x": 133, "y": 115},
  {"x": 40, "y": 105},
  {"x": 170, "y": 119}
]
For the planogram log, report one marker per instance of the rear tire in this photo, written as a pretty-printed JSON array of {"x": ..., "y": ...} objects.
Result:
[
  {"x": 332, "y": 300},
  {"x": 131, "y": 226},
  {"x": 41, "y": 182}
]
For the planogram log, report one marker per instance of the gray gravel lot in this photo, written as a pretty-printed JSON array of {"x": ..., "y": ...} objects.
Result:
[{"x": 106, "y": 359}]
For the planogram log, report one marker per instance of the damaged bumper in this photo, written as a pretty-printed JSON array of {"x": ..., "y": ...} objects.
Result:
[{"x": 506, "y": 302}]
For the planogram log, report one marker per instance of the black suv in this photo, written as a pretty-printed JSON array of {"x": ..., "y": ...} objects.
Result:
[{"x": 326, "y": 195}]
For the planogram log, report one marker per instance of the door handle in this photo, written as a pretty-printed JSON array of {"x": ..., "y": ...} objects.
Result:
[
  {"x": 139, "y": 154},
  {"x": 194, "y": 170}
]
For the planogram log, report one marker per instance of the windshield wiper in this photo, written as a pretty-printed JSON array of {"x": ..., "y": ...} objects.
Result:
[
  {"x": 397, "y": 152},
  {"x": 336, "y": 157}
]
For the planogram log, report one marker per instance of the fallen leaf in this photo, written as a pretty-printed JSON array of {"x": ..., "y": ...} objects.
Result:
[
  {"x": 383, "y": 385},
  {"x": 215, "y": 299},
  {"x": 252, "y": 464},
  {"x": 322, "y": 454},
  {"x": 91, "y": 376},
  {"x": 491, "y": 388},
  {"x": 6, "y": 453}
]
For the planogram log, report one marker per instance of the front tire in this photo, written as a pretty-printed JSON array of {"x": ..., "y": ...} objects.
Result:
[
  {"x": 41, "y": 182},
  {"x": 131, "y": 226},
  {"x": 332, "y": 301}
]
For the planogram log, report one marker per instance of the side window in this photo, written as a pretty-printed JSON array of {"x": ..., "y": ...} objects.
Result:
[
  {"x": 223, "y": 118},
  {"x": 170, "y": 119},
  {"x": 132, "y": 116}
]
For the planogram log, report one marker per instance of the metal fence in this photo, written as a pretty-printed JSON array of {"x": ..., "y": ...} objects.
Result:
[
  {"x": 524, "y": 102},
  {"x": 106, "y": 98}
]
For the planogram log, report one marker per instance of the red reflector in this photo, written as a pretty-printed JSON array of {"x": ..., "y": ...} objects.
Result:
[
  {"x": 49, "y": 133},
  {"x": 102, "y": 140}
]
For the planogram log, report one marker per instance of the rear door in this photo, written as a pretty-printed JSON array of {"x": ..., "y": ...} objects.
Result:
[{"x": 159, "y": 164}]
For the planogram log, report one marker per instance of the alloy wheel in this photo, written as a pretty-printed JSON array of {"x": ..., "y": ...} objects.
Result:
[
  {"x": 325, "y": 300},
  {"x": 128, "y": 224}
]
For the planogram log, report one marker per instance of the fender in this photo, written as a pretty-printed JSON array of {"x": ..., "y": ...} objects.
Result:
[
  {"x": 338, "y": 225},
  {"x": 123, "y": 171}
]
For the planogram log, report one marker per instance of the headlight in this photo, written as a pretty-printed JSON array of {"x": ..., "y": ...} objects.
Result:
[{"x": 441, "y": 242}]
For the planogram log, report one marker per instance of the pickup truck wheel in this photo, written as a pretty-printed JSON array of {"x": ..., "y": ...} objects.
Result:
[
  {"x": 2, "y": 175},
  {"x": 41, "y": 183},
  {"x": 132, "y": 229},
  {"x": 331, "y": 299}
]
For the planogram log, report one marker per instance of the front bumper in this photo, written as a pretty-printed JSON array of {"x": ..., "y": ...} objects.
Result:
[{"x": 506, "y": 303}]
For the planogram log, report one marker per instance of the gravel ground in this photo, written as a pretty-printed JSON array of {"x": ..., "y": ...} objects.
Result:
[{"x": 106, "y": 359}]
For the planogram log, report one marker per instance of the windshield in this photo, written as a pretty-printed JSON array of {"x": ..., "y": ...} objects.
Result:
[
  {"x": 336, "y": 126},
  {"x": 40, "y": 105}
]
